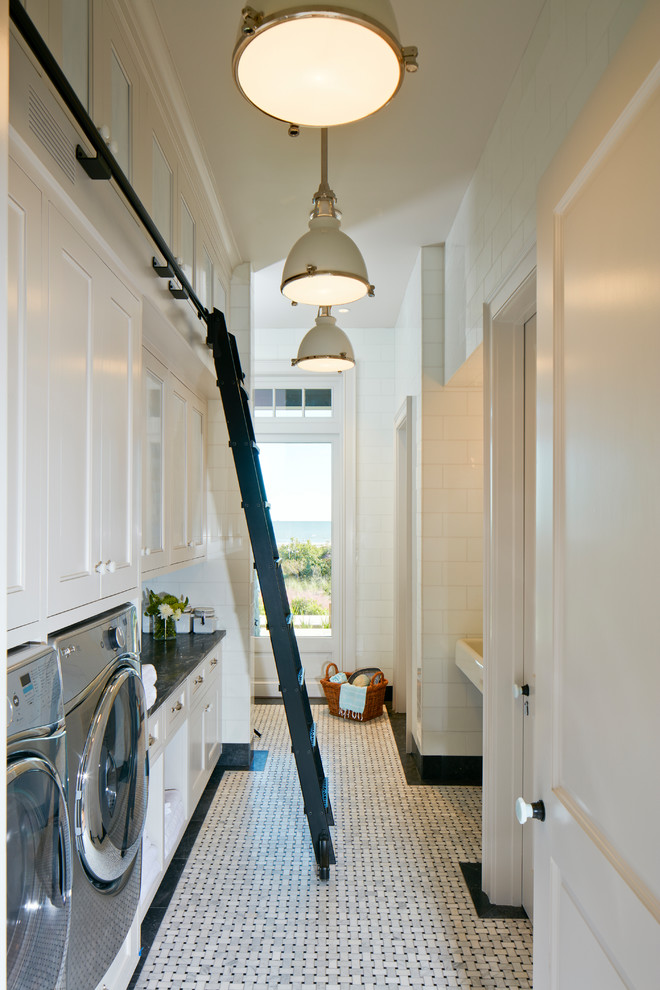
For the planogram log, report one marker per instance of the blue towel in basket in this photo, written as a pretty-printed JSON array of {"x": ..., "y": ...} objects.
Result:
[{"x": 352, "y": 698}]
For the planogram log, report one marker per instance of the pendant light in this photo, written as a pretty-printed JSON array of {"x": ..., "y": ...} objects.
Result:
[
  {"x": 325, "y": 267},
  {"x": 325, "y": 347},
  {"x": 320, "y": 64}
]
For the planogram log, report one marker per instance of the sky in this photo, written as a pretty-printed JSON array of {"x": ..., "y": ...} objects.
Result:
[{"x": 298, "y": 479}]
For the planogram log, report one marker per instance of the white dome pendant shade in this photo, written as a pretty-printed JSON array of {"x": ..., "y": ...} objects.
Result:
[
  {"x": 325, "y": 267},
  {"x": 320, "y": 64},
  {"x": 325, "y": 347}
]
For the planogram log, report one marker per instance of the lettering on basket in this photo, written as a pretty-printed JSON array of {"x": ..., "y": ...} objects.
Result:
[{"x": 346, "y": 713}]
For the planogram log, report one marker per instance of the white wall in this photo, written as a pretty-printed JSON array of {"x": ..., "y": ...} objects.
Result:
[
  {"x": 224, "y": 579},
  {"x": 495, "y": 227}
]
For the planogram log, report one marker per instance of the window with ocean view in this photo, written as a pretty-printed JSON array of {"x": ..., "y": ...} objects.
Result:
[{"x": 298, "y": 479}]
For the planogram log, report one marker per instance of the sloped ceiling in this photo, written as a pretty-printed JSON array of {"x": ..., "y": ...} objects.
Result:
[{"x": 399, "y": 176}]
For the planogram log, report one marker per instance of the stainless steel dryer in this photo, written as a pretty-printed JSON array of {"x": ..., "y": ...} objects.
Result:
[
  {"x": 38, "y": 846},
  {"x": 106, "y": 726}
]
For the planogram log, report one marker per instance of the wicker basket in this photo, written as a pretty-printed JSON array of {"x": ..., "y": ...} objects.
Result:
[{"x": 373, "y": 706}]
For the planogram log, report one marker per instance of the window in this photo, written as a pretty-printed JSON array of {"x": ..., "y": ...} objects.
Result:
[
  {"x": 299, "y": 432},
  {"x": 298, "y": 480},
  {"x": 120, "y": 128}
]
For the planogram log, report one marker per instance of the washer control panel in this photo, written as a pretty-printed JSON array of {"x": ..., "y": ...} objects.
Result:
[{"x": 34, "y": 690}]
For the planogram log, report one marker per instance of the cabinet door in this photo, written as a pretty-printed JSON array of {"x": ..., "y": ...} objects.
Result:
[
  {"x": 213, "y": 724},
  {"x": 197, "y": 775},
  {"x": 74, "y": 503},
  {"x": 116, "y": 81},
  {"x": 117, "y": 353},
  {"x": 196, "y": 477},
  {"x": 154, "y": 521},
  {"x": 26, "y": 401},
  {"x": 177, "y": 470},
  {"x": 187, "y": 473}
]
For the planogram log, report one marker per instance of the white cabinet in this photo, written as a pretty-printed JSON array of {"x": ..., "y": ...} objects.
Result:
[
  {"x": 116, "y": 87},
  {"x": 94, "y": 326},
  {"x": 187, "y": 449},
  {"x": 185, "y": 741},
  {"x": 204, "y": 741},
  {"x": 174, "y": 466},
  {"x": 26, "y": 400},
  {"x": 155, "y": 548}
]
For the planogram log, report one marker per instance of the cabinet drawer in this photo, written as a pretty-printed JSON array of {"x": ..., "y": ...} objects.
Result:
[
  {"x": 156, "y": 732},
  {"x": 176, "y": 711}
]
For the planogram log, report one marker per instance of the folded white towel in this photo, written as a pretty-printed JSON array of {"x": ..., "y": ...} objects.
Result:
[
  {"x": 352, "y": 699},
  {"x": 149, "y": 678},
  {"x": 339, "y": 678}
]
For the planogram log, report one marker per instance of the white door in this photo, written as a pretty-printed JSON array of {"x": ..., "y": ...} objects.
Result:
[
  {"x": 597, "y": 743},
  {"x": 528, "y": 701}
]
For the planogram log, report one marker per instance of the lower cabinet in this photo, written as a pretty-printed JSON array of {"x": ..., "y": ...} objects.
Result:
[{"x": 185, "y": 741}]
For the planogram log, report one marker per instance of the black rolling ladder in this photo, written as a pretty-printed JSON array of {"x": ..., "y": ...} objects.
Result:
[
  {"x": 103, "y": 166},
  {"x": 302, "y": 727}
]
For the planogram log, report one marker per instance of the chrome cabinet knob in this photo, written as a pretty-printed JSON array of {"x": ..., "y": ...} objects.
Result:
[{"x": 525, "y": 811}]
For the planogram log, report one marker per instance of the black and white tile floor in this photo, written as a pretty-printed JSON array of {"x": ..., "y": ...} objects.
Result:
[{"x": 248, "y": 910}]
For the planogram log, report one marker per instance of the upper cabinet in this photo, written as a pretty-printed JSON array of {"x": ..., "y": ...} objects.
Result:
[
  {"x": 26, "y": 400},
  {"x": 116, "y": 87},
  {"x": 187, "y": 443},
  {"x": 155, "y": 543},
  {"x": 93, "y": 518}
]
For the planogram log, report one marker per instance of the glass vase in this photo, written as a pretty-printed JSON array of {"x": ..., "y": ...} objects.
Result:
[{"x": 164, "y": 628}]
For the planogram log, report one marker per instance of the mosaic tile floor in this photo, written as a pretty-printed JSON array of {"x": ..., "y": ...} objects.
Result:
[{"x": 249, "y": 912}]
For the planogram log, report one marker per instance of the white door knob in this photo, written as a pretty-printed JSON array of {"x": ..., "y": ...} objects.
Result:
[
  {"x": 519, "y": 689},
  {"x": 100, "y": 567},
  {"x": 147, "y": 552},
  {"x": 525, "y": 811},
  {"x": 111, "y": 566},
  {"x": 104, "y": 131}
]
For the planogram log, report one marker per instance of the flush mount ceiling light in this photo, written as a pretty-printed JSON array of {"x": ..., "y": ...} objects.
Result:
[
  {"x": 325, "y": 347},
  {"x": 320, "y": 64},
  {"x": 325, "y": 267}
]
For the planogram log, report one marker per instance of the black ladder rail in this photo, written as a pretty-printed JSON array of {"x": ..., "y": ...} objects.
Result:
[{"x": 302, "y": 727}]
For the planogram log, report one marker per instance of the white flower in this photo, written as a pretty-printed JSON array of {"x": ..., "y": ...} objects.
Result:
[
  {"x": 165, "y": 610},
  {"x": 178, "y": 613}
]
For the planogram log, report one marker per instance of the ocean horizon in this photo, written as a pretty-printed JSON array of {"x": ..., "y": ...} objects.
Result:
[{"x": 318, "y": 532}]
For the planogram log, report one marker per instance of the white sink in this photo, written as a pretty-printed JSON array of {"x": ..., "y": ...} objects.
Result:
[{"x": 469, "y": 657}]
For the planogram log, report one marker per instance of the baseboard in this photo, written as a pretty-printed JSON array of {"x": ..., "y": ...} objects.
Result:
[
  {"x": 465, "y": 770},
  {"x": 236, "y": 756}
]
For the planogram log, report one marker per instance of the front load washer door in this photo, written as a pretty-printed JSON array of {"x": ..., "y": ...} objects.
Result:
[
  {"x": 111, "y": 790},
  {"x": 38, "y": 875}
]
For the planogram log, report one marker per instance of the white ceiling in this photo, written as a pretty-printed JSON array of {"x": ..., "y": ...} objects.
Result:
[{"x": 399, "y": 176}]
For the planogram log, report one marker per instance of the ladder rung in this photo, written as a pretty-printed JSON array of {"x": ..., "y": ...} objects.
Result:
[
  {"x": 312, "y": 735},
  {"x": 288, "y": 619},
  {"x": 324, "y": 792},
  {"x": 301, "y": 676}
]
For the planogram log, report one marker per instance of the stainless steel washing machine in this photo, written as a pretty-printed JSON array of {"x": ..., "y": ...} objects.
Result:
[
  {"x": 106, "y": 726},
  {"x": 38, "y": 844}
]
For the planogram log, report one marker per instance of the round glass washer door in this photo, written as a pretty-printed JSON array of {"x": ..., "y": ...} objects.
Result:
[
  {"x": 38, "y": 875},
  {"x": 111, "y": 791}
]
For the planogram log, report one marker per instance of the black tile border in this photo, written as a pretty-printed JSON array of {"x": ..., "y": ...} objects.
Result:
[
  {"x": 433, "y": 770},
  {"x": 484, "y": 909},
  {"x": 235, "y": 756}
]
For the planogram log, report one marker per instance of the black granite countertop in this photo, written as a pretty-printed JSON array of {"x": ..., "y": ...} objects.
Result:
[{"x": 174, "y": 659}]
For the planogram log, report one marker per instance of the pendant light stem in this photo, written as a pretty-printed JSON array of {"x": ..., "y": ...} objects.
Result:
[{"x": 324, "y": 157}]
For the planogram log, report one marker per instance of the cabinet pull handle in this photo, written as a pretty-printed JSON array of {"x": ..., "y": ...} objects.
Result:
[
  {"x": 199, "y": 680},
  {"x": 177, "y": 707},
  {"x": 152, "y": 740}
]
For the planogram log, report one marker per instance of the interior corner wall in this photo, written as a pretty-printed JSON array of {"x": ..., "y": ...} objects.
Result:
[
  {"x": 451, "y": 526},
  {"x": 224, "y": 579},
  {"x": 495, "y": 227}
]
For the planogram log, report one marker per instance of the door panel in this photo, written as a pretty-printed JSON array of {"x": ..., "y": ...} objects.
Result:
[
  {"x": 597, "y": 870},
  {"x": 74, "y": 503},
  {"x": 26, "y": 400},
  {"x": 120, "y": 356}
]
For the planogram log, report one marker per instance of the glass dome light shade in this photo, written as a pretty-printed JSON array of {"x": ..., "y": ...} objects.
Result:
[
  {"x": 320, "y": 65},
  {"x": 325, "y": 267},
  {"x": 325, "y": 348}
]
